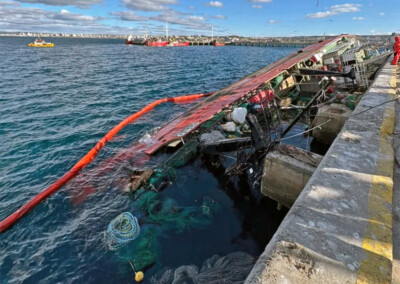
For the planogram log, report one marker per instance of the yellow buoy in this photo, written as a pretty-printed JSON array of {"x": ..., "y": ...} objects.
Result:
[{"x": 139, "y": 276}]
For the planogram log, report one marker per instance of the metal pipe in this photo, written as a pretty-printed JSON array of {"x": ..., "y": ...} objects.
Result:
[{"x": 297, "y": 118}]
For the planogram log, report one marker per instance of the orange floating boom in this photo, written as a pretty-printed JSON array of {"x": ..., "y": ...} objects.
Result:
[{"x": 88, "y": 158}]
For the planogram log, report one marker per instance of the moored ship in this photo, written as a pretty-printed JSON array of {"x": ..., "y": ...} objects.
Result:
[
  {"x": 158, "y": 42},
  {"x": 216, "y": 43},
  {"x": 177, "y": 43},
  {"x": 129, "y": 40}
]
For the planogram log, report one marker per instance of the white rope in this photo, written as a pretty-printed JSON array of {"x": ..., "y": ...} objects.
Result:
[{"x": 299, "y": 134}]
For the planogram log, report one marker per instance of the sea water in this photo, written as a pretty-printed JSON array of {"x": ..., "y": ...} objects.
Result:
[{"x": 56, "y": 103}]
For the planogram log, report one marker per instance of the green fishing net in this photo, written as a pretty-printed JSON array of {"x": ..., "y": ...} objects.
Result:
[
  {"x": 142, "y": 252},
  {"x": 168, "y": 214},
  {"x": 157, "y": 215}
]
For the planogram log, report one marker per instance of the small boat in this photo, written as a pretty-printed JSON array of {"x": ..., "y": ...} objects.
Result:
[
  {"x": 40, "y": 43},
  {"x": 159, "y": 42}
]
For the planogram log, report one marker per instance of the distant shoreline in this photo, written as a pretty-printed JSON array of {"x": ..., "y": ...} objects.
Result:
[
  {"x": 314, "y": 38},
  {"x": 65, "y": 36}
]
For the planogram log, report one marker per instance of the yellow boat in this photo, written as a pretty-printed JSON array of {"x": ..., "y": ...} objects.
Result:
[{"x": 40, "y": 43}]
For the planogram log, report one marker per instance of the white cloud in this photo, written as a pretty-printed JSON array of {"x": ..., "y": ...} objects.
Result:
[
  {"x": 381, "y": 14},
  {"x": 219, "y": 17},
  {"x": 9, "y": 4},
  {"x": 77, "y": 3},
  {"x": 336, "y": 10},
  {"x": 320, "y": 15},
  {"x": 29, "y": 19},
  {"x": 257, "y": 6},
  {"x": 375, "y": 32},
  {"x": 195, "y": 18},
  {"x": 345, "y": 8},
  {"x": 215, "y": 4},
  {"x": 65, "y": 15},
  {"x": 179, "y": 21},
  {"x": 14, "y": 17},
  {"x": 274, "y": 21},
  {"x": 129, "y": 16},
  {"x": 358, "y": 18},
  {"x": 148, "y": 5},
  {"x": 260, "y": 1}
]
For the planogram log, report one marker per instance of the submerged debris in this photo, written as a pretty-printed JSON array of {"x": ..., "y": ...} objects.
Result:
[{"x": 232, "y": 268}]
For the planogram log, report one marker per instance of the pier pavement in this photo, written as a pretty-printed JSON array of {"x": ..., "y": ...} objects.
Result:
[{"x": 344, "y": 227}]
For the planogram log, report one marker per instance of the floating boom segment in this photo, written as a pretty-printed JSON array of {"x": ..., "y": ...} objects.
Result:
[{"x": 88, "y": 158}]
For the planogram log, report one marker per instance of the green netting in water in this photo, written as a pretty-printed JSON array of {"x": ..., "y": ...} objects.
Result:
[
  {"x": 158, "y": 215},
  {"x": 143, "y": 251},
  {"x": 170, "y": 215}
]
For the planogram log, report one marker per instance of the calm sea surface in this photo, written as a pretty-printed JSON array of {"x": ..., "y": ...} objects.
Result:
[{"x": 55, "y": 104}]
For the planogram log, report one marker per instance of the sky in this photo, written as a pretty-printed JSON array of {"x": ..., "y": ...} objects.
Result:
[{"x": 258, "y": 18}]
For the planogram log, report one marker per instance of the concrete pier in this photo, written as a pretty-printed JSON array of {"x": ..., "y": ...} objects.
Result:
[
  {"x": 297, "y": 165},
  {"x": 332, "y": 117},
  {"x": 340, "y": 228}
]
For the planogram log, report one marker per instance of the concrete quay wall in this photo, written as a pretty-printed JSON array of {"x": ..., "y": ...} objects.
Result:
[{"x": 339, "y": 230}]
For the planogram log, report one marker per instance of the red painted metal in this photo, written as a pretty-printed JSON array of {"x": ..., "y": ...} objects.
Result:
[
  {"x": 262, "y": 97},
  {"x": 180, "y": 43},
  {"x": 214, "y": 43},
  {"x": 193, "y": 118},
  {"x": 155, "y": 43}
]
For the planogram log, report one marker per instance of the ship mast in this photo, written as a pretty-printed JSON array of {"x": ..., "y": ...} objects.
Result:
[
  {"x": 166, "y": 29},
  {"x": 212, "y": 33}
]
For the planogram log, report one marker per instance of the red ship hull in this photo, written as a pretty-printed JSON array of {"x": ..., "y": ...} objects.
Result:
[
  {"x": 180, "y": 43},
  {"x": 156, "y": 43},
  {"x": 190, "y": 120},
  {"x": 217, "y": 44}
]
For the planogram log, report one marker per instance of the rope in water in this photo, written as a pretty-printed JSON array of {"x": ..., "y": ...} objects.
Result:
[
  {"x": 124, "y": 228},
  {"x": 88, "y": 158}
]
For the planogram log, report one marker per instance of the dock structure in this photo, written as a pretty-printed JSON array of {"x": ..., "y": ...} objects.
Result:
[
  {"x": 273, "y": 43},
  {"x": 254, "y": 43},
  {"x": 344, "y": 226},
  {"x": 299, "y": 44}
]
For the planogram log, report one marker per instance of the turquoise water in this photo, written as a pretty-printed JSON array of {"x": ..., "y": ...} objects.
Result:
[{"x": 55, "y": 104}]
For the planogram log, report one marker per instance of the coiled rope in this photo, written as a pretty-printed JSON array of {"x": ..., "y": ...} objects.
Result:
[
  {"x": 88, "y": 158},
  {"x": 124, "y": 228}
]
